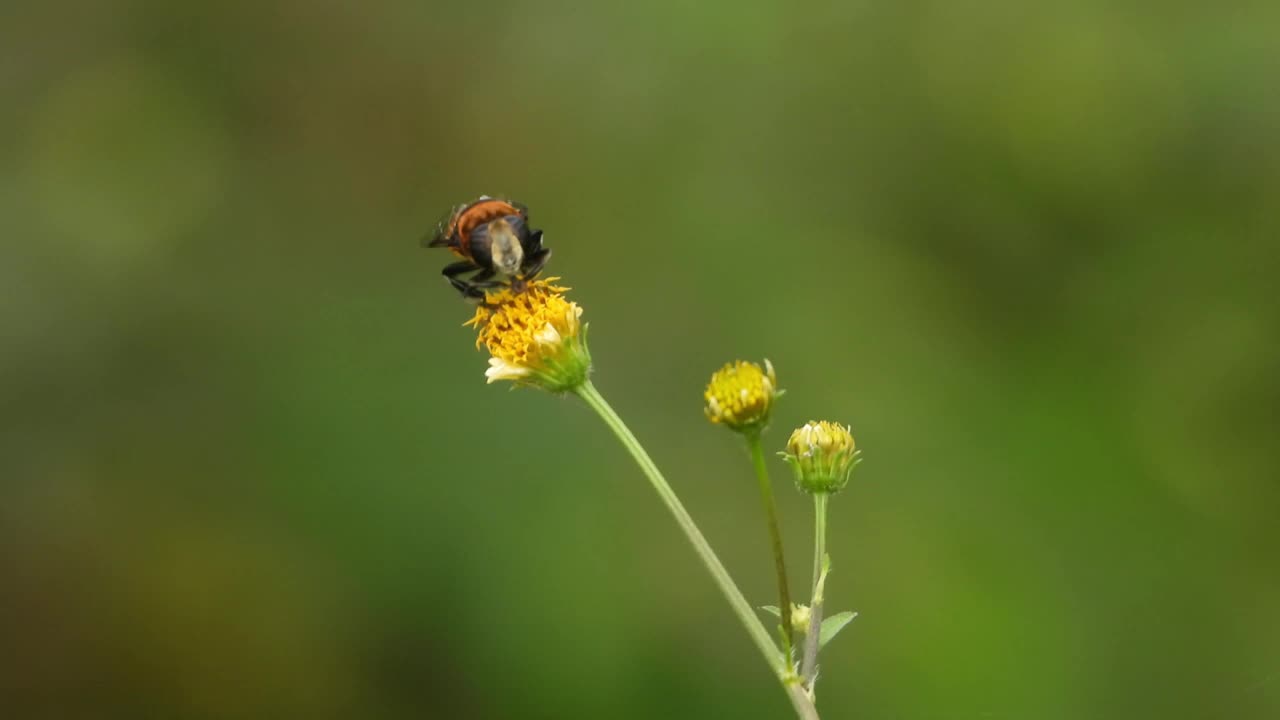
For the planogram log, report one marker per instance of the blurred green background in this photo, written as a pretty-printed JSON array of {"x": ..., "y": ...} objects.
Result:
[{"x": 251, "y": 470}]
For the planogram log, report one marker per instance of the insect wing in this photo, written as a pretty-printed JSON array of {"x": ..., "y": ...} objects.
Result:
[{"x": 443, "y": 233}]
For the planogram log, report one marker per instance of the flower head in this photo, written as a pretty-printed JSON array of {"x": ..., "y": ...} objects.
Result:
[
  {"x": 740, "y": 396},
  {"x": 823, "y": 455},
  {"x": 533, "y": 337}
]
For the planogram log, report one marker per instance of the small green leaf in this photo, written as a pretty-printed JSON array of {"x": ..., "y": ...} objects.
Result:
[
  {"x": 833, "y": 625},
  {"x": 772, "y": 610}
]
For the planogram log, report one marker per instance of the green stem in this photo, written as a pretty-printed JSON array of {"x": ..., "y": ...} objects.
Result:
[
  {"x": 813, "y": 640},
  {"x": 775, "y": 535},
  {"x": 795, "y": 692},
  {"x": 819, "y": 534}
]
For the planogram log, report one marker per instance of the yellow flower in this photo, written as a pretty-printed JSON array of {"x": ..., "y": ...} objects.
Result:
[
  {"x": 740, "y": 395},
  {"x": 822, "y": 454},
  {"x": 534, "y": 337}
]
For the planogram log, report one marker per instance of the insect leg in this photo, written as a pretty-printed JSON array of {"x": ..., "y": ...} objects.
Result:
[
  {"x": 533, "y": 264},
  {"x": 484, "y": 279},
  {"x": 453, "y": 270},
  {"x": 534, "y": 242}
]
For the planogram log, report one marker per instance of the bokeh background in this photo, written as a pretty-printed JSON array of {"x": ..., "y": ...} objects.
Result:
[{"x": 250, "y": 468}]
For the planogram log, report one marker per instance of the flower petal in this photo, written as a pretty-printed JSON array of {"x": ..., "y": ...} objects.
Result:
[
  {"x": 548, "y": 335},
  {"x": 500, "y": 369}
]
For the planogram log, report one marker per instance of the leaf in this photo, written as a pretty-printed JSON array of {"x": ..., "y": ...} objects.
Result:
[
  {"x": 771, "y": 609},
  {"x": 833, "y": 625}
]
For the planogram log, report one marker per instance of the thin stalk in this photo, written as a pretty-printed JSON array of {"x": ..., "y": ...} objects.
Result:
[
  {"x": 813, "y": 641},
  {"x": 775, "y": 536},
  {"x": 795, "y": 692},
  {"x": 801, "y": 701},
  {"x": 819, "y": 535}
]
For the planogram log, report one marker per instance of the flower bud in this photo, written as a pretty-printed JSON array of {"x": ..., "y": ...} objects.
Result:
[
  {"x": 800, "y": 615},
  {"x": 740, "y": 396},
  {"x": 823, "y": 455}
]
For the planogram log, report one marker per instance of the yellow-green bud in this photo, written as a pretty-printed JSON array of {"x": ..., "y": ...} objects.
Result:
[
  {"x": 800, "y": 615},
  {"x": 823, "y": 455},
  {"x": 740, "y": 396}
]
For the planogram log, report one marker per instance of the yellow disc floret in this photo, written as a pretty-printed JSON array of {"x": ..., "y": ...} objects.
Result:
[
  {"x": 740, "y": 395},
  {"x": 533, "y": 336},
  {"x": 820, "y": 437}
]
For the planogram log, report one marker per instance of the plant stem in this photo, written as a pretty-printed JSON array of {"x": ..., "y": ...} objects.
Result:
[
  {"x": 799, "y": 699},
  {"x": 813, "y": 640},
  {"x": 819, "y": 534},
  {"x": 775, "y": 535}
]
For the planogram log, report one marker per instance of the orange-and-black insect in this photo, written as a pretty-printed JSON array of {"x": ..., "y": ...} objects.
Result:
[{"x": 493, "y": 239}]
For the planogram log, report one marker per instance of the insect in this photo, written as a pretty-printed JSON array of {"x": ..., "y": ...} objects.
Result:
[{"x": 494, "y": 240}]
